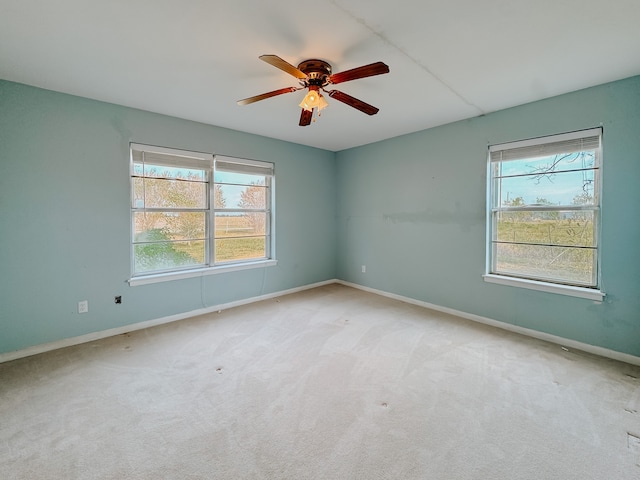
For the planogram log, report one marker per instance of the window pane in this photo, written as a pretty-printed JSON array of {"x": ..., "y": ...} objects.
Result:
[
  {"x": 565, "y": 188},
  {"x": 547, "y": 227},
  {"x": 160, "y": 171},
  {"x": 157, "y": 256},
  {"x": 560, "y": 264},
  {"x": 163, "y": 193},
  {"x": 239, "y": 178},
  {"x": 554, "y": 163},
  {"x": 239, "y": 196},
  {"x": 228, "y": 249},
  {"x": 173, "y": 225},
  {"x": 243, "y": 225}
]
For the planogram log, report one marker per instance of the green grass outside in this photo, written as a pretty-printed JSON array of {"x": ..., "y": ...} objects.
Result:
[
  {"x": 555, "y": 232},
  {"x": 565, "y": 262},
  {"x": 239, "y": 248}
]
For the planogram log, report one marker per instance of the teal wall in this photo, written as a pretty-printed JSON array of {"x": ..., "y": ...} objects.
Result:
[
  {"x": 64, "y": 216},
  {"x": 412, "y": 209}
]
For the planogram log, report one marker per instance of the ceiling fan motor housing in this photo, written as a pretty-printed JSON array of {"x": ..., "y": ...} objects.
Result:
[{"x": 317, "y": 71}]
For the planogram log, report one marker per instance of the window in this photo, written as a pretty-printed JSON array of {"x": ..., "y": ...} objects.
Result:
[
  {"x": 242, "y": 208},
  {"x": 545, "y": 209},
  {"x": 194, "y": 212}
]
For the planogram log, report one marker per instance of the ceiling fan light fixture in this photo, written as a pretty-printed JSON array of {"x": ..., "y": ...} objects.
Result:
[{"x": 313, "y": 99}]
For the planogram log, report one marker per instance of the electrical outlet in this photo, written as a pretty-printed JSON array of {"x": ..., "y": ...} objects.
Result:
[
  {"x": 364, "y": 269},
  {"x": 83, "y": 306},
  {"x": 118, "y": 299}
]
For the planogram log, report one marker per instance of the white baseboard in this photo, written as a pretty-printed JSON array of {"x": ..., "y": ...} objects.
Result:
[
  {"x": 564, "y": 342},
  {"x": 112, "y": 332},
  {"x": 46, "y": 347}
]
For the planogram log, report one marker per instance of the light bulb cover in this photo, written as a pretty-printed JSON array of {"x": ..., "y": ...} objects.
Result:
[
  {"x": 322, "y": 103},
  {"x": 313, "y": 99}
]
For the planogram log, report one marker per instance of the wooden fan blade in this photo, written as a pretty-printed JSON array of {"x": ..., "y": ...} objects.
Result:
[
  {"x": 283, "y": 65},
  {"x": 354, "y": 102},
  {"x": 257, "y": 98},
  {"x": 305, "y": 117},
  {"x": 370, "y": 70}
]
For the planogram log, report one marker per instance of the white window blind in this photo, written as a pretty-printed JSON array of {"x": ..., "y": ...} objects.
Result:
[
  {"x": 169, "y": 157},
  {"x": 241, "y": 165},
  {"x": 547, "y": 146}
]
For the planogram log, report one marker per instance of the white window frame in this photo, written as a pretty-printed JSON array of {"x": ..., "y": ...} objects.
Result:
[
  {"x": 207, "y": 161},
  {"x": 531, "y": 148}
]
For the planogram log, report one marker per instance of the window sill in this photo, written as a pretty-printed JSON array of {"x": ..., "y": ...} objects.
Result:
[
  {"x": 199, "y": 272},
  {"x": 580, "y": 292}
]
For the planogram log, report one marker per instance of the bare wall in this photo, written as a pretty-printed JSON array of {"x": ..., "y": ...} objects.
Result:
[
  {"x": 65, "y": 216},
  {"x": 412, "y": 209}
]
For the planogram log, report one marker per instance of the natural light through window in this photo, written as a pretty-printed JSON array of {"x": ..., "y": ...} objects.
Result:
[
  {"x": 242, "y": 206},
  {"x": 545, "y": 209},
  {"x": 192, "y": 211}
]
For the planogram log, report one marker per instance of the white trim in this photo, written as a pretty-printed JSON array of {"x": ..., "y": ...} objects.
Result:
[
  {"x": 564, "y": 342},
  {"x": 90, "y": 337},
  {"x": 589, "y": 293},
  {"x": 199, "y": 272},
  {"x": 593, "y": 349}
]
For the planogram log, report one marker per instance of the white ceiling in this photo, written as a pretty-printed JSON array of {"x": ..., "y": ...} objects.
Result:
[{"x": 193, "y": 59}]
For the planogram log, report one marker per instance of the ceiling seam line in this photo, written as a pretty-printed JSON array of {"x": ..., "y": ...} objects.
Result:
[{"x": 382, "y": 37}]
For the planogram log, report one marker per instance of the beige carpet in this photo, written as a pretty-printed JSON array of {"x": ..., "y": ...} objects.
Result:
[{"x": 331, "y": 383}]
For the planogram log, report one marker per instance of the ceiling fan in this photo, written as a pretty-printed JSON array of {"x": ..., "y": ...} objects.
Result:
[{"x": 315, "y": 75}]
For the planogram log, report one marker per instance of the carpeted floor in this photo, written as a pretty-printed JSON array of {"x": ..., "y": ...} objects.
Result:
[{"x": 330, "y": 383}]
